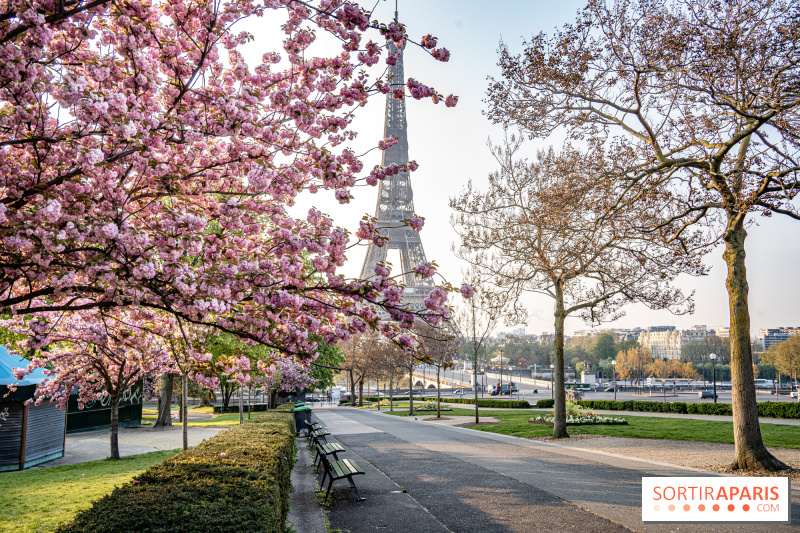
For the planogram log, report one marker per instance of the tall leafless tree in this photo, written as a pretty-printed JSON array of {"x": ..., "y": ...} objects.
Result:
[
  {"x": 703, "y": 95},
  {"x": 557, "y": 227},
  {"x": 362, "y": 359},
  {"x": 439, "y": 344},
  {"x": 480, "y": 316}
]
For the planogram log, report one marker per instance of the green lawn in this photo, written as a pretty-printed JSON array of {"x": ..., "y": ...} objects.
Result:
[
  {"x": 42, "y": 499},
  {"x": 516, "y": 423},
  {"x": 227, "y": 419}
]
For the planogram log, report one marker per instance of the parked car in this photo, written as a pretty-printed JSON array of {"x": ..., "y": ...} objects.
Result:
[
  {"x": 706, "y": 394},
  {"x": 610, "y": 389},
  {"x": 505, "y": 390}
]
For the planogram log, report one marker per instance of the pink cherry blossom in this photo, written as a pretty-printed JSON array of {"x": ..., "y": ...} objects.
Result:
[
  {"x": 159, "y": 179},
  {"x": 416, "y": 223}
]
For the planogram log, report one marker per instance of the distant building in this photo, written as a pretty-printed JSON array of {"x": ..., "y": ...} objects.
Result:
[
  {"x": 723, "y": 332},
  {"x": 519, "y": 332},
  {"x": 665, "y": 342},
  {"x": 771, "y": 336},
  {"x": 620, "y": 334}
]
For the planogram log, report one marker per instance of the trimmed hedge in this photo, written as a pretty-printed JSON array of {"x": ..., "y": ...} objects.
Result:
[
  {"x": 200, "y": 490},
  {"x": 255, "y": 408},
  {"x": 482, "y": 402},
  {"x": 767, "y": 409},
  {"x": 486, "y": 402}
]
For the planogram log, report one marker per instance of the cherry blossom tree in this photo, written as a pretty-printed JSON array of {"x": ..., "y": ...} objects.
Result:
[
  {"x": 144, "y": 163},
  {"x": 101, "y": 353}
]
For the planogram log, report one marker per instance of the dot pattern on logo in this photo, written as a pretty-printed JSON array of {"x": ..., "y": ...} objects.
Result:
[{"x": 686, "y": 507}]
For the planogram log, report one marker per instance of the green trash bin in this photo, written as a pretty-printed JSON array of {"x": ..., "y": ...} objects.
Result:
[{"x": 302, "y": 414}]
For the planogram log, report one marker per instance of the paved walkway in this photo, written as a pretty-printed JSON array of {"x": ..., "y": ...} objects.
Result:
[
  {"x": 94, "y": 445},
  {"x": 425, "y": 477}
]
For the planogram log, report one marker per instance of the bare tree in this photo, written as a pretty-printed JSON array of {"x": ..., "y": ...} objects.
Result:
[
  {"x": 785, "y": 356},
  {"x": 391, "y": 360},
  {"x": 438, "y": 344},
  {"x": 479, "y": 317},
  {"x": 361, "y": 353},
  {"x": 557, "y": 227},
  {"x": 703, "y": 95}
]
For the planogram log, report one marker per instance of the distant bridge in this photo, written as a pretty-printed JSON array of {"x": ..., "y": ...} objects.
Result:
[{"x": 422, "y": 381}]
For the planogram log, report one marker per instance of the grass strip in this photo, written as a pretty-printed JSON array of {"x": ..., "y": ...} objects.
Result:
[
  {"x": 645, "y": 427},
  {"x": 44, "y": 498}
]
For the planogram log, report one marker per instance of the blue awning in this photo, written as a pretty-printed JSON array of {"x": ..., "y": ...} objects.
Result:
[{"x": 9, "y": 362}]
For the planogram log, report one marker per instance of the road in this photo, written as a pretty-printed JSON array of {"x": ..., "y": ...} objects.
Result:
[
  {"x": 527, "y": 386},
  {"x": 425, "y": 477}
]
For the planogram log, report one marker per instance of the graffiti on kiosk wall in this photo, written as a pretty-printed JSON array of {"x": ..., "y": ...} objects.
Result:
[
  {"x": 130, "y": 396},
  {"x": 3, "y": 415}
]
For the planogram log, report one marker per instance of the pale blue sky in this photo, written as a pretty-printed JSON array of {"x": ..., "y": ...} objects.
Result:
[{"x": 450, "y": 146}]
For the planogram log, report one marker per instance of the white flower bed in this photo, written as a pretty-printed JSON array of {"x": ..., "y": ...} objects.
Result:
[{"x": 582, "y": 418}]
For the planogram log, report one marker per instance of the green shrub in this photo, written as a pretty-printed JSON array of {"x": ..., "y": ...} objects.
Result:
[
  {"x": 779, "y": 409},
  {"x": 238, "y": 480},
  {"x": 766, "y": 409},
  {"x": 488, "y": 402}
]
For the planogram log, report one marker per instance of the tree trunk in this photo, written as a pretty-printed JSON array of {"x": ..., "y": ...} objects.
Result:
[
  {"x": 164, "y": 404},
  {"x": 361, "y": 392},
  {"x": 560, "y": 407},
  {"x": 352, "y": 390},
  {"x": 181, "y": 405},
  {"x": 438, "y": 395},
  {"x": 750, "y": 452},
  {"x": 391, "y": 393},
  {"x": 411, "y": 391},
  {"x": 378, "y": 390},
  {"x": 475, "y": 384},
  {"x": 475, "y": 364},
  {"x": 114, "y": 426},
  {"x": 205, "y": 398},
  {"x": 241, "y": 405},
  {"x": 184, "y": 412}
]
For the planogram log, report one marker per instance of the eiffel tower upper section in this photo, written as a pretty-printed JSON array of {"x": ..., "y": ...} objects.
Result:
[{"x": 396, "y": 201}]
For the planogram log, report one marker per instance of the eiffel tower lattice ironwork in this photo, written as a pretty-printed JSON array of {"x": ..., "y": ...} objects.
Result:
[{"x": 396, "y": 201}]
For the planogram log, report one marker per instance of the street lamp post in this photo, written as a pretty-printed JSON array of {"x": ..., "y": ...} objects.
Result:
[
  {"x": 551, "y": 381},
  {"x": 614, "y": 373},
  {"x": 703, "y": 363},
  {"x": 713, "y": 358},
  {"x": 500, "y": 392}
]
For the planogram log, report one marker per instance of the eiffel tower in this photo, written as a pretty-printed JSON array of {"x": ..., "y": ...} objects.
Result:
[{"x": 396, "y": 201}]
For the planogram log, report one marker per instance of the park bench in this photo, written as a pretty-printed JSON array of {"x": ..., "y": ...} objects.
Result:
[
  {"x": 310, "y": 426},
  {"x": 331, "y": 448},
  {"x": 344, "y": 469},
  {"x": 318, "y": 436}
]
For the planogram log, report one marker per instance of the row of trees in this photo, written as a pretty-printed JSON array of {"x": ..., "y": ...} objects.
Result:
[
  {"x": 682, "y": 125},
  {"x": 370, "y": 355}
]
